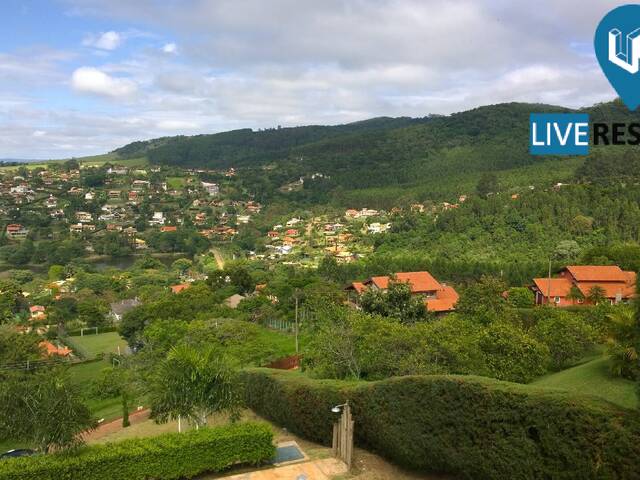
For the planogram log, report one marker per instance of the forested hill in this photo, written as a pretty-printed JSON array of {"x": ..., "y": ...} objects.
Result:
[{"x": 429, "y": 157}]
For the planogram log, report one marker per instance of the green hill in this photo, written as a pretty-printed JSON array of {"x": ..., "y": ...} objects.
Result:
[{"x": 383, "y": 159}]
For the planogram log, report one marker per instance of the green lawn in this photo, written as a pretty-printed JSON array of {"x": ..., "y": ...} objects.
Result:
[
  {"x": 593, "y": 378},
  {"x": 109, "y": 408},
  {"x": 175, "y": 183},
  {"x": 91, "y": 345}
]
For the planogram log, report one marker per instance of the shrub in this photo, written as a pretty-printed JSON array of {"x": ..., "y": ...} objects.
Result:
[
  {"x": 169, "y": 456},
  {"x": 513, "y": 355},
  {"x": 568, "y": 337},
  {"x": 472, "y": 427}
]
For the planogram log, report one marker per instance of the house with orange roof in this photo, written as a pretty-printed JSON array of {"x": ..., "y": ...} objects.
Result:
[
  {"x": 49, "y": 349},
  {"x": 574, "y": 284},
  {"x": 180, "y": 287},
  {"x": 37, "y": 312},
  {"x": 167, "y": 228},
  {"x": 438, "y": 297}
]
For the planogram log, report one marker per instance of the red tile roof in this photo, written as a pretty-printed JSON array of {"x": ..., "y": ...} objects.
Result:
[
  {"x": 445, "y": 300},
  {"x": 51, "y": 349},
  {"x": 560, "y": 287},
  {"x": 420, "y": 282},
  {"x": 179, "y": 288},
  {"x": 591, "y": 273},
  {"x": 611, "y": 289}
]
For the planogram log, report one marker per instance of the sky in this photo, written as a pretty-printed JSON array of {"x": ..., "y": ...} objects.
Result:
[{"x": 82, "y": 77}]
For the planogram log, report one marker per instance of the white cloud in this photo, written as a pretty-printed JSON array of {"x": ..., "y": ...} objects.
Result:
[
  {"x": 92, "y": 80},
  {"x": 170, "y": 48},
  {"x": 105, "y": 41}
]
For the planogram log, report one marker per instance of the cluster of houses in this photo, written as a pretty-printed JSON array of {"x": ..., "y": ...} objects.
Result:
[
  {"x": 115, "y": 206},
  {"x": 575, "y": 285}
]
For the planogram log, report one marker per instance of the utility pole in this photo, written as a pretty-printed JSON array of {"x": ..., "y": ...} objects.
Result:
[
  {"x": 296, "y": 322},
  {"x": 549, "y": 284}
]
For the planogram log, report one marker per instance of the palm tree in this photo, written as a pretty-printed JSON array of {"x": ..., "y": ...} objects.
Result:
[
  {"x": 596, "y": 294},
  {"x": 575, "y": 294},
  {"x": 623, "y": 342},
  {"x": 192, "y": 384}
]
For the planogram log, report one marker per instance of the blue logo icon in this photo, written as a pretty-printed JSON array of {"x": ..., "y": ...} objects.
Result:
[
  {"x": 617, "y": 45},
  {"x": 559, "y": 134}
]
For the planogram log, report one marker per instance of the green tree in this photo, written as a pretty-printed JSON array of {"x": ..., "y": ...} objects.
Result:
[
  {"x": 596, "y": 295},
  {"x": 513, "y": 355},
  {"x": 396, "y": 302},
  {"x": 192, "y": 384},
  {"x": 488, "y": 183},
  {"x": 18, "y": 347},
  {"x": 483, "y": 301},
  {"x": 43, "y": 409},
  {"x": 575, "y": 294},
  {"x": 520, "y": 297},
  {"x": 624, "y": 343},
  {"x": 567, "y": 335}
]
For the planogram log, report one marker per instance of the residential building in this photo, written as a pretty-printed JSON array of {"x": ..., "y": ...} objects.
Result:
[
  {"x": 212, "y": 188},
  {"x": 438, "y": 297},
  {"x": 118, "y": 309},
  {"x": 157, "y": 219},
  {"x": 37, "y": 312},
  {"x": 180, "y": 287},
  {"x": 574, "y": 284},
  {"x": 16, "y": 231}
]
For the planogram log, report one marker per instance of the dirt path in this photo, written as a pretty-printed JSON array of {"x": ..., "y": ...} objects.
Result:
[
  {"x": 218, "y": 256},
  {"x": 116, "y": 425}
]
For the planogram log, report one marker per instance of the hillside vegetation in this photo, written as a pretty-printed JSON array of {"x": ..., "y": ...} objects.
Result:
[{"x": 433, "y": 157}]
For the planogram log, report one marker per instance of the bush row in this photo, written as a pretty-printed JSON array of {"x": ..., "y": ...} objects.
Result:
[
  {"x": 168, "y": 456},
  {"x": 473, "y": 427}
]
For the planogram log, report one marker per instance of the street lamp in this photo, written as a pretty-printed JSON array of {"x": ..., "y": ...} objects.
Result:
[{"x": 338, "y": 408}]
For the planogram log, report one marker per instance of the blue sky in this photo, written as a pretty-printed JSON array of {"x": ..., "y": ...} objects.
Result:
[{"x": 80, "y": 77}]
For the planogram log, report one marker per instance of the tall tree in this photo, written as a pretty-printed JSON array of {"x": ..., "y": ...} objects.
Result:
[{"x": 192, "y": 384}]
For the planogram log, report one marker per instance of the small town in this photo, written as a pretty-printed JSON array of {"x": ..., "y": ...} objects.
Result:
[{"x": 313, "y": 241}]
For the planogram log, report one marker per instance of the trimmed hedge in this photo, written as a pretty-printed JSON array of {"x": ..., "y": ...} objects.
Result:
[
  {"x": 473, "y": 427},
  {"x": 168, "y": 456}
]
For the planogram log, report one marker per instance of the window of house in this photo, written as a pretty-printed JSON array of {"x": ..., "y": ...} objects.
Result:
[{"x": 556, "y": 299}]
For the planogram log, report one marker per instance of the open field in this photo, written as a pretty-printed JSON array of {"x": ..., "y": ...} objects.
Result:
[
  {"x": 91, "y": 345},
  {"x": 176, "y": 183},
  {"x": 109, "y": 408},
  {"x": 593, "y": 378}
]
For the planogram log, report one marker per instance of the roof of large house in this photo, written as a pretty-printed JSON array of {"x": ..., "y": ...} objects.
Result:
[
  {"x": 611, "y": 290},
  {"x": 418, "y": 281},
  {"x": 612, "y": 279},
  {"x": 602, "y": 273},
  {"x": 445, "y": 300},
  {"x": 560, "y": 287}
]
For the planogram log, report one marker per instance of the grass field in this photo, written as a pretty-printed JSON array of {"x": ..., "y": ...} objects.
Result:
[
  {"x": 91, "y": 345},
  {"x": 175, "y": 183},
  {"x": 593, "y": 378},
  {"x": 108, "y": 408}
]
